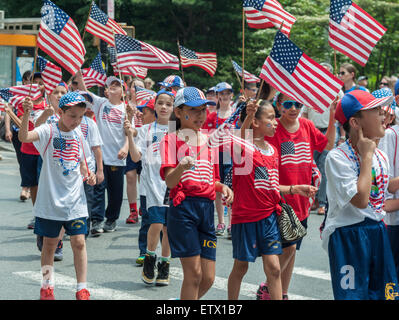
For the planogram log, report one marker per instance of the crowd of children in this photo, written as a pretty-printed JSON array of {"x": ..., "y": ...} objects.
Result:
[{"x": 77, "y": 147}]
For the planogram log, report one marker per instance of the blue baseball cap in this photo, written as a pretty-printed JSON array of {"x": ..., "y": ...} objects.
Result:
[
  {"x": 172, "y": 81},
  {"x": 358, "y": 100},
  {"x": 223, "y": 86},
  {"x": 212, "y": 89},
  {"x": 71, "y": 99},
  {"x": 192, "y": 97},
  {"x": 168, "y": 92}
]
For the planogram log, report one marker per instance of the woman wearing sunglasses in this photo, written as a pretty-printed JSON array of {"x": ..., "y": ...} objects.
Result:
[
  {"x": 347, "y": 74},
  {"x": 296, "y": 139}
]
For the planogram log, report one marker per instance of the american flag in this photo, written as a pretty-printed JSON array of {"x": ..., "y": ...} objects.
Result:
[
  {"x": 101, "y": 26},
  {"x": 248, "y": 77},
  {"x": 95, "y": 75},
  {"x": 130, "y": 52},
  {"x": 113, "y": 115},
  {"x": 263, "y": 14},
  {"x": 295, "y": 153},
  {"x": 266, "y": 179},
  {"x": 353, "y": 31},
  {"x": 59, "y": 38},
  {"x": 289, "y": 70},
  {"x": 51, "y": 74},
  {"x": 131, "y": 70},
  {"x": 67, "y": 149},
  {"x": 142, "y": 93},
  {"x": 206, "y": 61},
  {"x": 16, "y": 95}
]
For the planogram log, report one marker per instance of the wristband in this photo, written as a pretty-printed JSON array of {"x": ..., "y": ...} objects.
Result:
[{"x": 291, "y": 189}]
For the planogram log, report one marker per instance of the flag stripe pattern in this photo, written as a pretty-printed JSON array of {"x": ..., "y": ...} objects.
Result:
[
  {"x": 112, "y": 115},
  {"x": 67, "y": 149},
  {"x": 101, "y": 26},
  {"x": 203, "y": 172},
  {"x": 262, "y": 14},
  {"x": 352, "y": 31},
  {"x": 289, "y": 70},
  {"x": 131, "y": 70},
  {"x": 267, "y": 179},
  {"x": 295, "y": 153},
  {"x": 51, "y": 74},
  {"x": 59, "y": 38},
  {"x": 130, "y": 52},
  {"x": 95, "y": 75},
  {"x": 16, "y": 95},
  {"x": 248, "y": 77},
  {"x": 206, "y": 61},
  {"x": 142, "y": 93}
]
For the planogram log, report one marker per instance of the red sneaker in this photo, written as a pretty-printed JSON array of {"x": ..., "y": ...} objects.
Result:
[
  {"x": 47, "y": 294},
  {"x": 133, "y": 217},
  {"x": 83, "y": 294}
]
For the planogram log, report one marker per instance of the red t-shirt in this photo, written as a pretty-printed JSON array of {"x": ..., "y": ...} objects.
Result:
[
  {"x": 198, "y": 181},
  {"x": 295, "y": 159},
  {"x": 256, "y": 185},
  {"x": 29, "y": 148}
]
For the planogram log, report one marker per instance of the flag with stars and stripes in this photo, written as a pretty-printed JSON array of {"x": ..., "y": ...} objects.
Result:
[
  {"x": 60, "y": 39},
  {"x": 102, "y": 26},
  {"x": 66, "y": 149},
  {"x": 263, "y": 14},
  {"x": 16, "y": 95},
  {"x": 248, "y": 77},
  {"x": 352, "y": 31},
  {"x": 290, "y": 71},
  {"x": 267, "y": 179},
  {"x": 112, "y": 115},
  {"x": 51, "y": 74},
  {"x": 142, "y": 94},
  {"x": 132, "y": 52},
  {"x": 131, "y": 70},
  {"x": 206, "y": 61},
  {"x": 95, "y": 75},
  {"x": 295, "y": 153}
]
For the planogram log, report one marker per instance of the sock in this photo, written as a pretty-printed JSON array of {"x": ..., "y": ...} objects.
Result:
[
  {"x": 48, "y": 277},
  {"x": 81, "y": 285},
  {"x": 133, "y": 206},
  {"x": 151, "y": 253},
  {"x": 165, "y": 259}
]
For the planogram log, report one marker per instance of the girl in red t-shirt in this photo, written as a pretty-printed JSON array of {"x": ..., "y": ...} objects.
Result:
[
  {"x": 191, "y": 172},
  {"x": 256, "y": 203}
]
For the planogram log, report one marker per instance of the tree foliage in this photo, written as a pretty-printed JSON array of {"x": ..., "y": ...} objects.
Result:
[{"x": 216, "y": 26}]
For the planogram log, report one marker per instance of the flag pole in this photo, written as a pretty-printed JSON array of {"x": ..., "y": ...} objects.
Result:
[
  {"x": 243, "y": 49},
  {"x": 87, "y": 21},
  {"x": 120, "y": 73},
  {"x": 34, "y": 68},
  {"x": 181, "y": 66}
]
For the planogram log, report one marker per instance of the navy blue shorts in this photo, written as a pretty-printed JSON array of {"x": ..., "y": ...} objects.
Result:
[
  {"x": 393, "y": 235},
  {"x": 361, "y": 262},
  {"x": 51, "y": 228},
  {"x": 30, "y": 169},
  {"x": 157, "y": 215},
  {"x": 191, "y": 228},
  {"x": 253, "y": 239},
  {"x": 224, "y": 167},
  {"x": 130, "y": 165},
  {"x": 297, "y": 242}
]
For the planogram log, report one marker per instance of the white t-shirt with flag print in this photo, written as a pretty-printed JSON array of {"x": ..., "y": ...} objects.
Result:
[
  {"x": 91, "y": 139},
  {"x": 60, "y": 197},
  {"x": 110, "y": 120},
  {"x": 148, "y": 143}
]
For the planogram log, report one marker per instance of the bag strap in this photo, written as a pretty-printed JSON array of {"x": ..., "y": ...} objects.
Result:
[{"x": 49, "y": 140}]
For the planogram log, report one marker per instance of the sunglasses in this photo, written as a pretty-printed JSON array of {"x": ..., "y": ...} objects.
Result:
[
  {"x": 342, "y": 73},
  {"x": 289, "y": 103},
  {"x": 383, "y": 84}
]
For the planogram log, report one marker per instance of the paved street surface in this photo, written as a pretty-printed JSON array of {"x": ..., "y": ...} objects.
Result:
[{"x": 112, "y": 274}]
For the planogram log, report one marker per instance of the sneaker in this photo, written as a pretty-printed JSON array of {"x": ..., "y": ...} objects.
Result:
[
  {"x": 163, "y": 274},
  {"x": 110, "y": 226},
  {"x": 24, "y": 195},
  {"x": 220, "y": 229},
  {"x": 83, "y": 294},
  {"x": 97, "y": 228},
  {"x": 39, "y": 242},
  {"x": 31, "y": 224},
  {"x": 229, "y": 232},
  {"x": 285, "y": 297},
  {"x": 140, "y": 260},
  {"x": 58, "y": 252},
  {"x": 263, "y": 292},
  {"x": 47, "y": 294},
  {"x": 149, "y": 268},
  {"x": 133, "y": 217}
]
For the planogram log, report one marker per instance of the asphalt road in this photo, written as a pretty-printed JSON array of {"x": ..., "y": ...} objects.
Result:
[{"x": 112, "y": 274}]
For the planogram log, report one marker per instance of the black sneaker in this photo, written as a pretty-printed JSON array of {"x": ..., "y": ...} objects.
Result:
[
  {"x": 109, "y": 226},
  {"x": 148, "y": 274},
  {"x": 163, "y": 274}
]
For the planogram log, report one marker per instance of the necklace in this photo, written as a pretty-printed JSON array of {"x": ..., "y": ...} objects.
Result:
[
  {"x": 375, "y": 190},
  {"x": 61, "y": 160}
]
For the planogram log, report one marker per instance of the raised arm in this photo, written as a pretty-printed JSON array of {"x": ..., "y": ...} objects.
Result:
[{"x": 24, "y": 135}]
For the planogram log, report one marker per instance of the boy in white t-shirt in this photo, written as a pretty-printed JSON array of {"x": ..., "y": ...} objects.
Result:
[
  {"x": 110, "y": 114},
  {"x": 361, "y": 262},
  {"x": 61, "y": 201}
]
